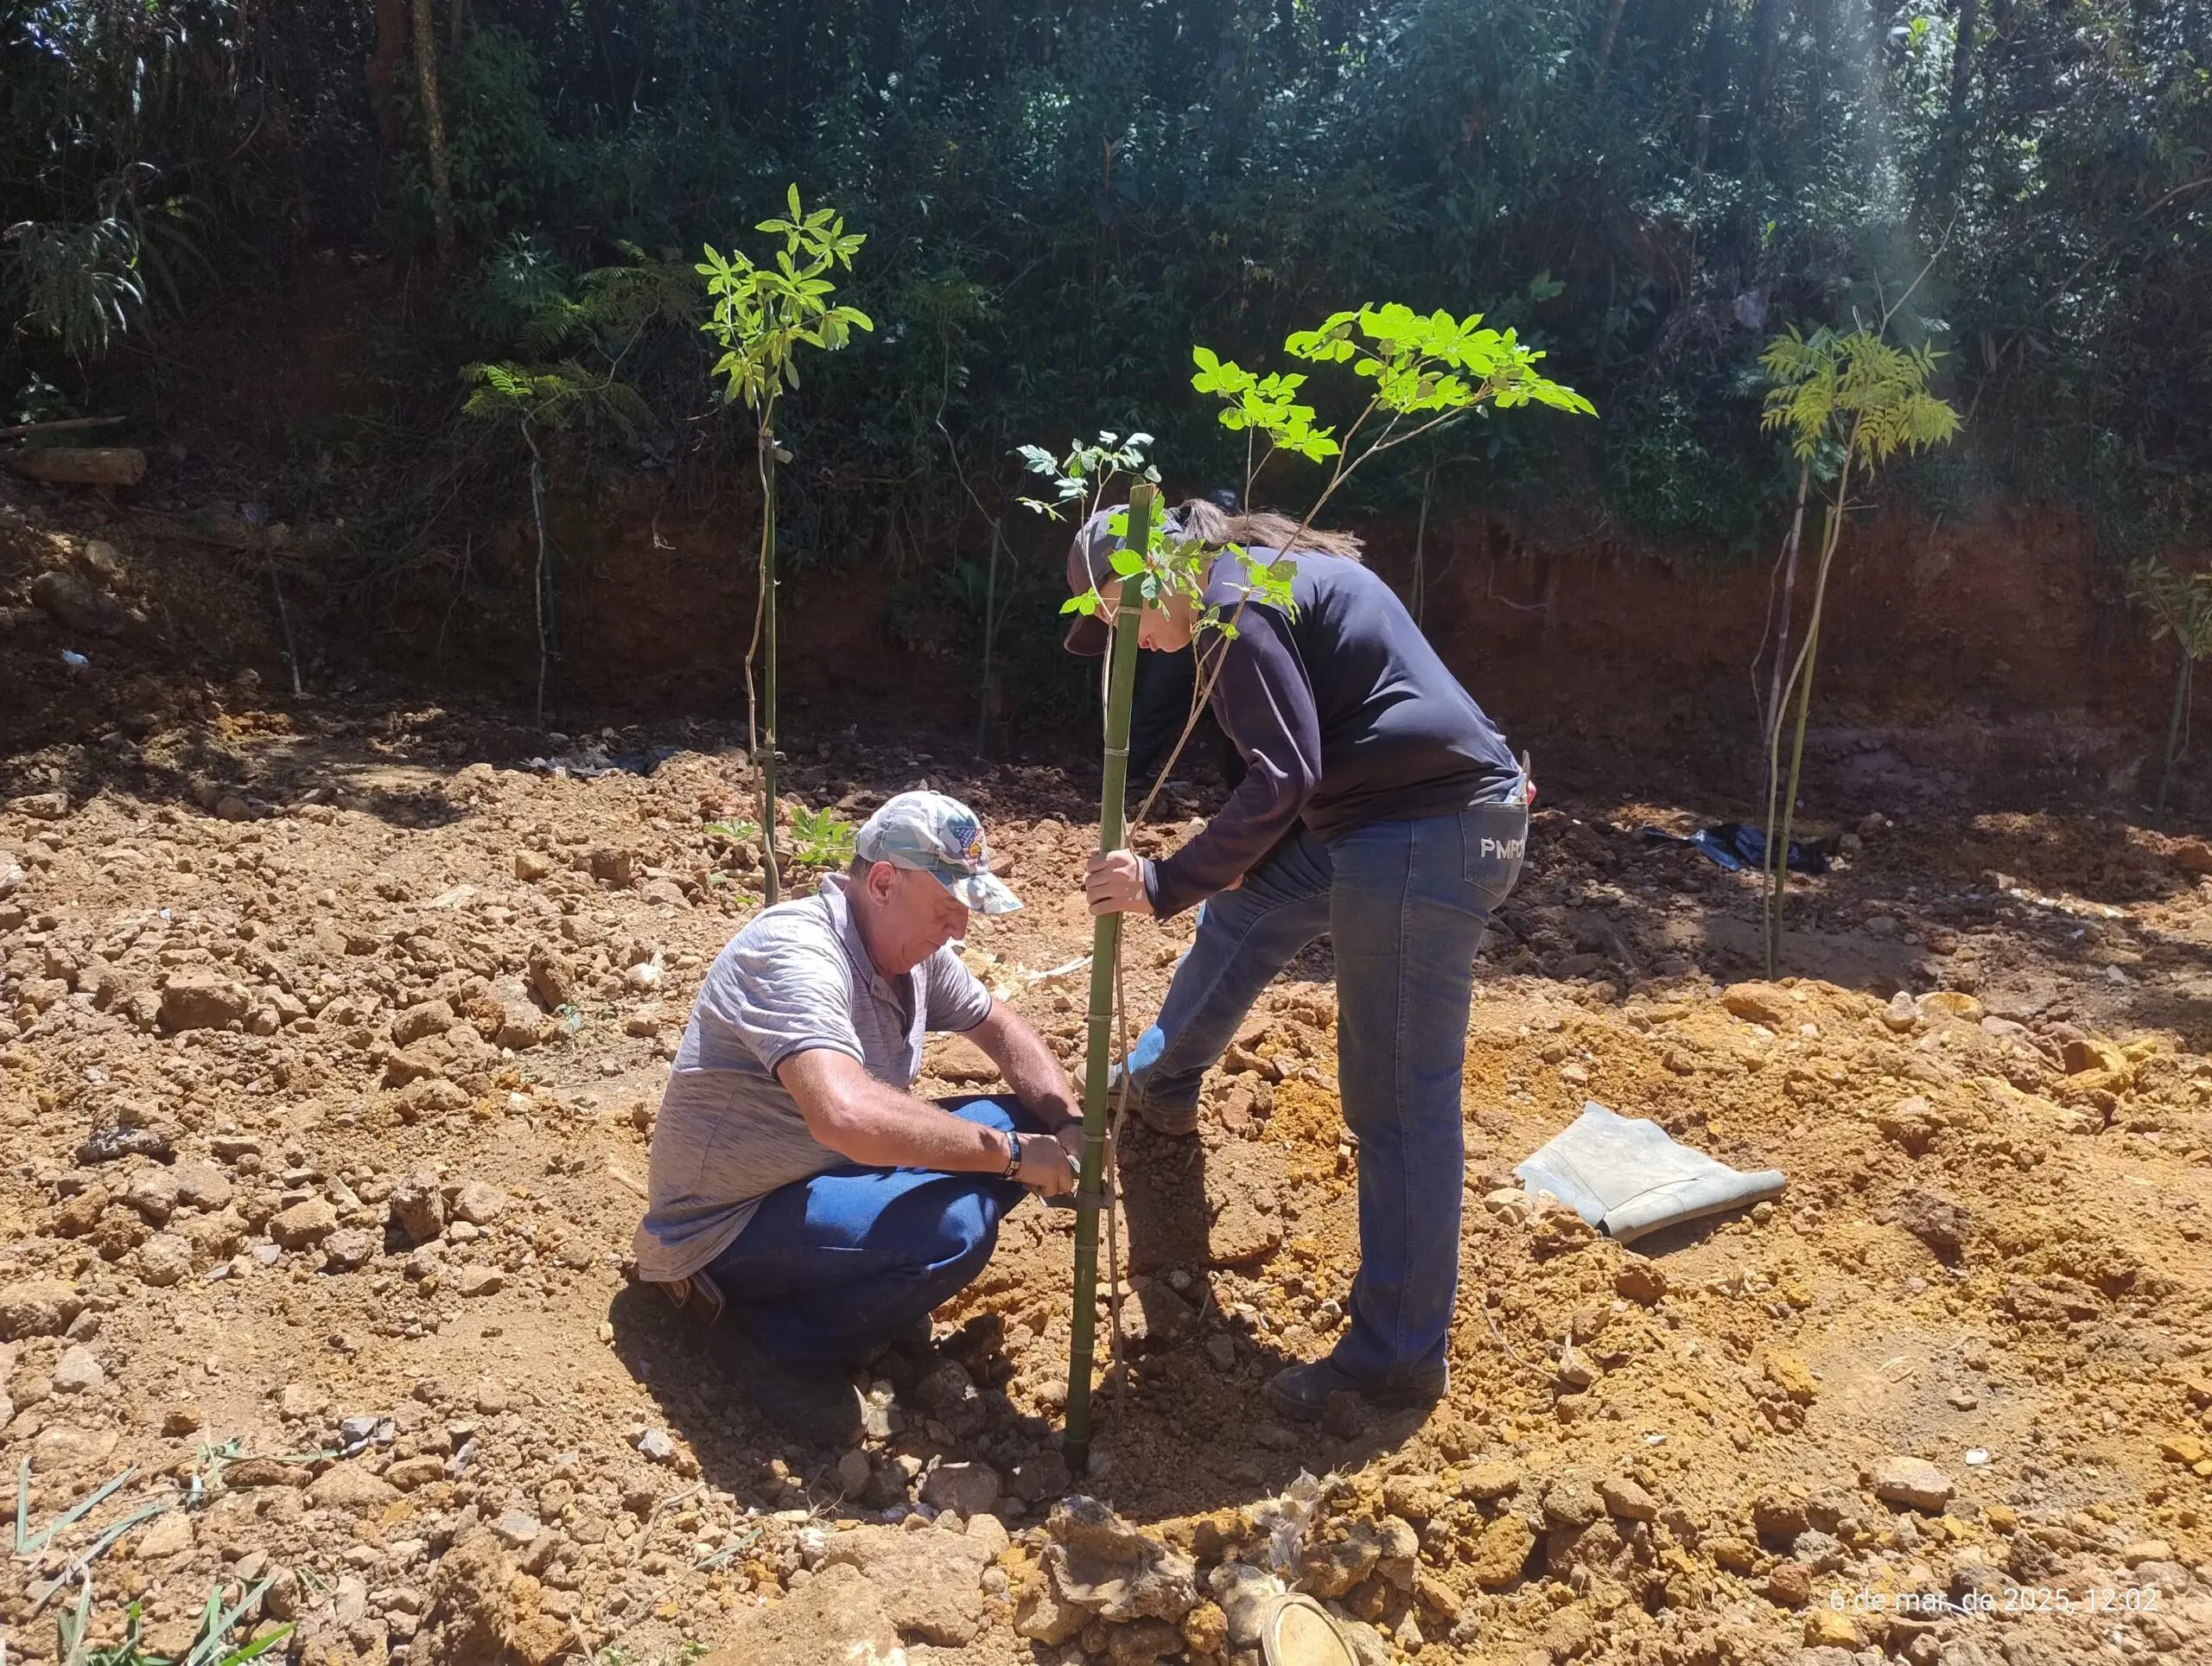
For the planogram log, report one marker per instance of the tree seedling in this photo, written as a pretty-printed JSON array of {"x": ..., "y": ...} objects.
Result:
[
  {"x": 1854, "y": 395},
  {"x": 762, "y": 315}
]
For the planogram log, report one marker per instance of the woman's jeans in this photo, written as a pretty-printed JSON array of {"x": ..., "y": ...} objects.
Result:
[{"x": 1406, "y": 906}]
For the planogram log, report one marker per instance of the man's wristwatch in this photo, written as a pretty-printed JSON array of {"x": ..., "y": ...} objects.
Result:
[{"x": 1013, "y": 1170}]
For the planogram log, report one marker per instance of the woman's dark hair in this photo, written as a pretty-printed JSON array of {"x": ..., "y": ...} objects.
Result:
[{"x": 1264, "y": 529}]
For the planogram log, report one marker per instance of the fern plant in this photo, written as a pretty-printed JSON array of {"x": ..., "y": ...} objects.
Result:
[
  {"x": 761, "y": 316},
  {"x": 1853, "y": 393}
]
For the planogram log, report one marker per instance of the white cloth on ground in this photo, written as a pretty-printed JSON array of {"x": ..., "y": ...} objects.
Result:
[{"x": 1624, "y": 1176}]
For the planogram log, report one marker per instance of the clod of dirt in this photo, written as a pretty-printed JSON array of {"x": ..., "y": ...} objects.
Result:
[
  {"x": 471, "y": 1619},
  {"x": 838, "y": 1615}
]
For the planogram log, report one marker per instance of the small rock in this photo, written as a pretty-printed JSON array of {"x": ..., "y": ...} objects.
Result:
[
  {"x": 552, "y": 980},
  {"x": 970, "y": 1488},
  {"x": 1938, "y": 1222},
  {"x": 1501, "y": 1553},
  {"x": 656, "y": 1445},
  {"x": 163, "y": 1260},
  {"x": 192, "y": 999},
  {"x": 202, "y": 1186},
  {"x": 1789, "y": 1584},
  {"x": 928, "y": 1581},
  {"x": 418, "y": 1207},
  {"x": 1572, "y": 1501},
  {"x": 304, "y": 1224},
  {"x": 1902, "y": 1013},
  {"x": 420, "y": 1022},
  {"x": 1416, "y": 1497},
  {"x": 40, "y": 806},
  {"x": 428, "y": 1096},
  {"x": 1912, "y": 1481},
  {"x": 1035, "y": 1479},
  {"x": 479, "y": 1282},
  {"x": 79, "y": 604},
  {"x": 37, "y": 1307},
  {"x": 349, "y": 1486},
  {"x": 344, "y": 1250},
  {"x": 1640, "y": 1281},
  {"x": 409, "y": 1473},
  {"x": 1792, "y": 1376},
  {"x": 153, "y": 1193},
  {"x": 1625, "y": 1498},
  {"x": 182, "y": 1419},
  {"x": 479, "y": 1204},
  {"x": 853, "y": 1472},
  {"x": 1489, "y": 1481},
  {"x": 169, "y": 1533},
  {"x": 518, "y": 1528},
  {"x": 1831, "y": 1629},
  {"x": 612, "y": 865},
  {"x": 1779, "y": 1515},
  {"x": 1760, "y": 1003},
  {"x": 489, "y": 1397},
  {"x": 1221, "y": 1349},
  {"x": 77, "y": 1372},
  {"x": 1205, "y": 1630}
]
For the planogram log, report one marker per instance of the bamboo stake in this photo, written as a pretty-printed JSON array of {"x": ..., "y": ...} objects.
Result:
[
  {"x": 768, "y": 856},
  {"x": 1105, "y": 950}
]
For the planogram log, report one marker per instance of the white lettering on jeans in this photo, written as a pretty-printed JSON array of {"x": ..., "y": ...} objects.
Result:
[{"x": 1503, "y": 849}]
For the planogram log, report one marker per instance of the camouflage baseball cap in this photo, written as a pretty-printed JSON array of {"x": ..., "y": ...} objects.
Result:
[{"x": 942, "y": 837}]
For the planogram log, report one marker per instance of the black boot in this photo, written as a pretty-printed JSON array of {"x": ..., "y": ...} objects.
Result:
[
  {"x": 1303, "y": 1391},
  {"x": 815, "y": 1402}
]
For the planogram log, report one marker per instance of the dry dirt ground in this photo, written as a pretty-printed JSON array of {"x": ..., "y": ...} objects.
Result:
[{"x": 328, "y": 1052}]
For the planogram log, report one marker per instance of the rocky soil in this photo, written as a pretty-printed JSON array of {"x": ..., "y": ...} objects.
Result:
[{"x": 329, "y": 1042}]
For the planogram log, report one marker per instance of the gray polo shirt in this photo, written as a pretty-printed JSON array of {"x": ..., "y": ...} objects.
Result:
[{"x": 797, "y": 977}]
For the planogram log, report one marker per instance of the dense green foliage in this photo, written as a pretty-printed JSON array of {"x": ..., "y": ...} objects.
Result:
[{"x": 1059, "y": 197}]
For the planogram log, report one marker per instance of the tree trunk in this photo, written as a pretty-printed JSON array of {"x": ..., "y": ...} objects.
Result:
[
  {"x": 1712, "y": 80},
  {"x": 434, "y": 126},
  {"x": 80, "y": 464},
  {"x": 2174, "y": 723},
  {"x": 1105, "y": 945},
  {"x": 1605, "y": 53},
  {"x": 2000, "y": 44},
  {"x": 1766, "y": 36},
  {"x": 1962, "y": 66},
  {"x": 766, "y": 633},
  {"x": 383, "y": 73},
  {"x": 1958, "y": 127}
]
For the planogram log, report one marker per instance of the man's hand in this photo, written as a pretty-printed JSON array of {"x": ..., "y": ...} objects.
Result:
[
  {"x": 1046, "y": 1168},
  {"x": 1114, "y": 883},
  {"x": 1070, "y": 1134}
]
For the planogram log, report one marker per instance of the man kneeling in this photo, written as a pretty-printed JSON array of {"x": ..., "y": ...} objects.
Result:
[{"x": 803, "y": 1201}]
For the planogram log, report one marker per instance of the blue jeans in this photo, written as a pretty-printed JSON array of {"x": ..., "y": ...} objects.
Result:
[
  {"x": 831, "y": 1266},
  {"x": 1406, "y": 906}
]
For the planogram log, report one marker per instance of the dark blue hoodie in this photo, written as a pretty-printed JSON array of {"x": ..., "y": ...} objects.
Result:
[{"x": 1344, "y": 715}]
